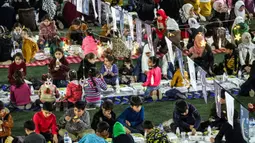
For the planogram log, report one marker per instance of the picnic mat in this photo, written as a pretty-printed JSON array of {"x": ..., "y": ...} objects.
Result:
[{"x": 70, "y": 60}]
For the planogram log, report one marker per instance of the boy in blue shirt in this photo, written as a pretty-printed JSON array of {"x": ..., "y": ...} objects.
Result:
[
  {"x": 132, "y": 118},
  {"x": 186, "y": 117}
]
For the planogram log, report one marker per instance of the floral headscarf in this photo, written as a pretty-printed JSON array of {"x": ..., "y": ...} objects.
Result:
[{"x": 199, "y": 45}]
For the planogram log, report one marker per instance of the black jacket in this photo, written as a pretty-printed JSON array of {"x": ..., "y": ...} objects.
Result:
[
  {"x": 8, "y": 17},
  {"x": 99, "y": 116},
  {"x": 145, "y": 9},
  {"x": 123, "y": 139},
  {"x": 87, "y": 67}
]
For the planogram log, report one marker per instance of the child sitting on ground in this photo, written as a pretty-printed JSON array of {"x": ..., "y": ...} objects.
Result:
[
  {"x": 120, "y": 135},
  {"x": 73, "y": 89},
  {"x": 126, "y": 72},
  {"x": 29, "y": 47},
  {"x": 32, "y": 137},
  {"x": 186, "y": 117},
  {"x": 153, "y": 77},
  {"x": 85, "y": 65},
  {"x": 133, "y": 117},
  {"x": 154, "y": 134},
  {"x": 100, "y": 135},
  {"x": 109, "y": 70},
  {"x": 20, "y": 92},
  {"x": 47, "y": 31},
  {"x": 59, "y": 68},
  {"x": 76, "y": 32},
  {"x": 92, "y": 88},
  {"x": 19, "y": 65},
  {"x": 48, "y": 92},
  {"x": 6, "y": 121},
  {"x": 16, "y": 35},
  {"x": 77, "y": 122},
  {"x": 105, "y": 114},
  {"x": 178, "y": 80}
]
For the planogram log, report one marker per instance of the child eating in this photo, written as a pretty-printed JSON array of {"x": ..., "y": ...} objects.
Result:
[{"x": 109, "y": 70}]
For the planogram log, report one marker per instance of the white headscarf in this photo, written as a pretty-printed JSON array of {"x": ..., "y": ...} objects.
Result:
[
  {"x": 239, "y": 4},
  {"x": 185, "y": 12},
  {"x": 193, "y": 23},
  {"x": 245, "y": 47},
  {"x": 216, "y": 5},
  {"x": 145, "y": 58},
  {"x": 172, "y": 24}
]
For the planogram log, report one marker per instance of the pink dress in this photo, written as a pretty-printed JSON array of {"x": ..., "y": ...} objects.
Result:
[
  {"x": 89, "y": 45},
  {"x": 20, "y": 96}
]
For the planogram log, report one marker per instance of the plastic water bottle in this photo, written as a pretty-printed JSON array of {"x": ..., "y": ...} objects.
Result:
[
  {"x": 224, "y": 77},
  {"x": 239, "y": 74},
  {"x": 178, "y": 132},
  {"x": 32, "y": 90},
  {"x": 67, "y": 139},
  {"x": 209, "y": 129},
  {"x": 117, "y": 86}
]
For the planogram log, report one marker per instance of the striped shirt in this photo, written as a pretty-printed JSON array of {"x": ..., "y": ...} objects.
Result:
[{"x": 92, "y": 92}]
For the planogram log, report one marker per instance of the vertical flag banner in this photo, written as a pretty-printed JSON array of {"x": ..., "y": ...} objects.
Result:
[
  {"x": 138, "y": 31},
  {"x": 180, "y": 60},
  {"x": 230, "y": 108},
  {"x": 114, "y": 20},
  {"x": 131, "y": 26},
  {"x": 170, "y": 50},
  {"x": 217, "y": 91},
  {"x": 192, "y": 73},
  {"x": 94, "y": 8},
  {"x": 244, "y": 122},
  {"x": 203, "y": 82},
  {"x": 86, "y": 7},
  {"x": 149, "y": 36},
  {"x": 99, "y": 3},
  {"x": 121, "y": 22},
  {"x": 79, "y": 6}
]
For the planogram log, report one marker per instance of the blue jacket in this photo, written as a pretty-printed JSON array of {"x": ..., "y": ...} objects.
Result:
[
  {"x": 183, "y": 122},
  {"x": 135, "y": 118}
]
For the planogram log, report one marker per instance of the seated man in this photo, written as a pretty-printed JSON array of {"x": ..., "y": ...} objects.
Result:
[
  {"x": 46, "y": 124},
  {"x": 154, "y": 134},
  {"x": 6, "y": 122},
  {"x": 105, "y": 114},
  {"x": 77, "y": 122},
  {"x": 32, "y": 137},
  {"x": 100, "y": 136},
  {"x": 186, "y": 117},
  {"x": 133, "y": 117}
]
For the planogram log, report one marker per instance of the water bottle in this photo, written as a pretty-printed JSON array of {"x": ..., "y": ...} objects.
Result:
[
  {"x": 240, "y": 74},
  {"x": 32, "y": 90},
  {"x": 209, "y": 129},
  {"x": 67, "y": 139},
  {"x": 117, "y": 86},
  {"x": 178, "y": 132}
]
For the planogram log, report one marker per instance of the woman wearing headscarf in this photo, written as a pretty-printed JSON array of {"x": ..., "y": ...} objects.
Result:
[
  {"x": 172, "y": 7},
  {"x": 202, "y": 54},
  {"x": 237, "y": 30},
  {"x": 195, "y": 28},
  {"x": 194, "y": 3},
  {"x": 220, "y": 10},
  {"x": 246, "y": 49},
  {"x": 238, "y": 10}
]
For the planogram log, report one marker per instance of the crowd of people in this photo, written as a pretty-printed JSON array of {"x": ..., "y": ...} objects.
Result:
[{"x": 194, "y": 26}]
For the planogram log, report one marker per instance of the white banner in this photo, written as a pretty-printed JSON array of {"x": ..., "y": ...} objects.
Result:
[
  {"x": 99, "y": 7},
  {"x": 139, "y": 29},
  {"x": 217, "y": 91},
  {"x": 192, "y": 73},
  {"x": 230, "y": 108},
  {"x": 114, "y": 20},
  {"x": 131, "y": 26},
  {"x": 149, "y": 36},
  {"x": 94, "y": 8},
  {"x": 170, "y": 50},
  {"x": 79, "y": 6}
]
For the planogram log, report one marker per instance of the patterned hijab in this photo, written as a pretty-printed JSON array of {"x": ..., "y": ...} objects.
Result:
[{"x": 50, "y": 7}]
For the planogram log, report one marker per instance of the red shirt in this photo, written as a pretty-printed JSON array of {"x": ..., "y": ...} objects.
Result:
[
  {"x": 44, "y": 125},
  {"x": 73, "y": 92},
  {"x": 14, "y": 67}
]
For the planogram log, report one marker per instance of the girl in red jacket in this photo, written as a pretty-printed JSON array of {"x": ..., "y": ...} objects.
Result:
[
  {"x": 73, "y": 90},
  {"x": 59, "y": 68},
  {"x": 153, "y": 77},
  {"x": 17, "y": 65}
]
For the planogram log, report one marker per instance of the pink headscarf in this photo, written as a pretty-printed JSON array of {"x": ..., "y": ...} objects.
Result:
[{"x": 199, "y": 45}]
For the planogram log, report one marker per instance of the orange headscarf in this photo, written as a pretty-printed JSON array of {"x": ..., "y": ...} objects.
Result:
[{"x": 199, "y": 45}]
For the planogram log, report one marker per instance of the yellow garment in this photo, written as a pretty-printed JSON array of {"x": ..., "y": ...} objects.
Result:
[
  {"x": 206, "y": 8},
  {"x": 29, "y": 49},
  {"x": 115, "y": 1},
  {"x": 195, "y": 3},
  {"x": 177, "y": 80}
]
